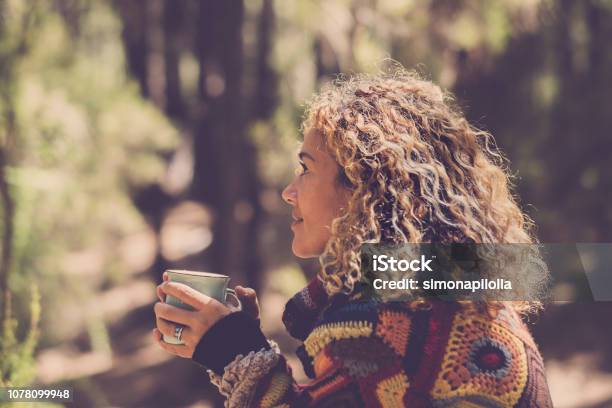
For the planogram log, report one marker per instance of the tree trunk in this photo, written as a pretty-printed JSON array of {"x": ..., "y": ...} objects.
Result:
[
  {"x": 134, "y": 17},
  {"x": 8, "y": 214},
  {"x": 266, "y": 88},
  {"x": 173, "y": 18},
  {"x": 224, "y": 166}
]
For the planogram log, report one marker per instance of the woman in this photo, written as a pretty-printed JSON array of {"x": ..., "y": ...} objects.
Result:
[{"x": 387, "y": 159}]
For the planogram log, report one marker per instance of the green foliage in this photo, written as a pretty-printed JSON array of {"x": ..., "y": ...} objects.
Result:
[
  {"x": 84, "y": 140},
  {"x": 17, "y": 355}
]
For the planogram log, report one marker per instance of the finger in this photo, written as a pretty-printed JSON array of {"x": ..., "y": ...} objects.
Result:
[
  {"x": 157, "y": 335},
  {"x": 249, "y": 301},
  {"x": 160, "y": 294},
  {"x": 188, "y": 337},
  {"x": 166, "y": 327},
  {"x": 246, "y": 292},
  {"x": 176, "y": 349},
  {"x": 186, "y": 294},
  {"x": 173, "y": 313}
]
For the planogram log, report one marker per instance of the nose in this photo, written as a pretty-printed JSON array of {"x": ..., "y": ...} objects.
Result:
[{"x": 289, "y": 194}]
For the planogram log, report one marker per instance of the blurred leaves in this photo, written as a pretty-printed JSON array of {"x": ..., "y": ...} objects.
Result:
[{"x": 84, "y": 140}]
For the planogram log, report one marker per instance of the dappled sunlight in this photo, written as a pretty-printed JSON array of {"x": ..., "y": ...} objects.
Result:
[
  {"x": 63, "y": 364},
  {"x": 137, "y": 137},
  {"x": 138, "y": 250},
  {"x": 186, "y": 230}
]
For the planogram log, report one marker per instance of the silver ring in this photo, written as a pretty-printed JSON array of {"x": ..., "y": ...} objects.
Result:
[{"x": 178, "y": 332}]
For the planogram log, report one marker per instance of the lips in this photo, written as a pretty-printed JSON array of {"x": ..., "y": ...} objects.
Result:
[{"x": 296, "y": 220}]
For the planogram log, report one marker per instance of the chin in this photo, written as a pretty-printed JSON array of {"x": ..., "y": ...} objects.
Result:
[{"x": 302, "y": 251}]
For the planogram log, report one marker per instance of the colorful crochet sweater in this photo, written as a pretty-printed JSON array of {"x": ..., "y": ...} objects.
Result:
[{"x": 360, "y": 352}]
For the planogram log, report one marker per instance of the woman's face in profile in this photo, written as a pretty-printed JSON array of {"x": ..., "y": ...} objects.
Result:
[{"x": 315, "y": 196}]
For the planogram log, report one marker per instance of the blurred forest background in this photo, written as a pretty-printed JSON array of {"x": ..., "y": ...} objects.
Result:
[{"x": 141, "y": 135}]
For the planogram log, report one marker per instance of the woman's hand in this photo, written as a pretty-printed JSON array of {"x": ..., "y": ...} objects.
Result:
[
  {"x": 208, "y": 311},
  {"x": 195, "y": 323},
  {"x": 248, "y": 299}
]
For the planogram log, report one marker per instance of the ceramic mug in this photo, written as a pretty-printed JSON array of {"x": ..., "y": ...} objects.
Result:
[{"x": 210, "y": 284}]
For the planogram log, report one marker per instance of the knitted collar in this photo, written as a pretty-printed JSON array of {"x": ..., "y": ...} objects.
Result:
[{"x": 303, "y": 310}]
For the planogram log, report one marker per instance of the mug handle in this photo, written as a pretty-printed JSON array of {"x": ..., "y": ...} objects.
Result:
[{"x": 232, "y": 292}]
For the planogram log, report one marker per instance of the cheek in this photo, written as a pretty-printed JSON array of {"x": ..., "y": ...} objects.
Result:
[
  {"x": 311, "y": 237},
  {"x": 317, "y": 210},
  {"x": 318, "y": 224}
]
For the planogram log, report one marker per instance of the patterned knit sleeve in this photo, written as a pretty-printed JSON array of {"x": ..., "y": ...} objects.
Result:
[
  {"x": 344, "y": 355},
  {"x": 246, "y": 373},
  {"x": 356, "y": 351},
  {"x": 247, "y": 368},
  {"x": 353, "y": 355},
  {"x": 262, "y": 378}
]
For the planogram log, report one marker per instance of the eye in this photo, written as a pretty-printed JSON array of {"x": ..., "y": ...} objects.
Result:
[{"x": 304, "y": 169}]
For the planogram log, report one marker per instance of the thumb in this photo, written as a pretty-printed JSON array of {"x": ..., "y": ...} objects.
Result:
[{"x": 248, "y": 298}]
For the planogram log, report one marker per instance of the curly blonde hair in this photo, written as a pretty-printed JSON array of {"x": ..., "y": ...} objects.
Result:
[{"x": 418, "y": 172}]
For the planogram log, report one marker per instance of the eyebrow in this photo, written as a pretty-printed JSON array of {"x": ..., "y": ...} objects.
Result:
[{"x": 302, "y": 154}]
